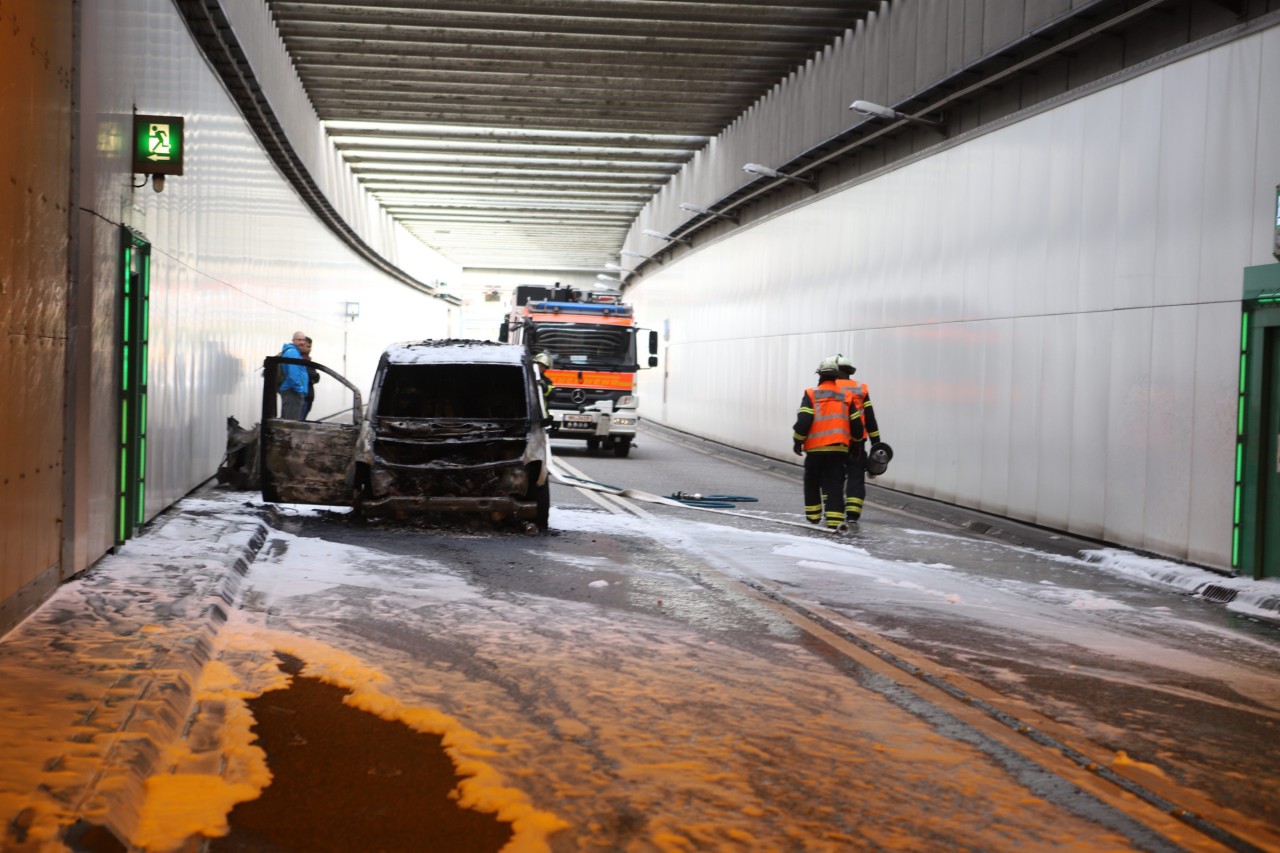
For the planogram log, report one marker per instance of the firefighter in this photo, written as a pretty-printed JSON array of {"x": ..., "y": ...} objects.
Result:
[
  {"x": 827, "y": 424},
  {"x": 856, "y": 480},
  {"x": 543, "y": 362}
]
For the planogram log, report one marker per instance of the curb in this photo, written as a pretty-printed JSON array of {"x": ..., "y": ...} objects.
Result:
[
  {"x": 132, "y": 662},
  {"x": 164, "y": 707}
]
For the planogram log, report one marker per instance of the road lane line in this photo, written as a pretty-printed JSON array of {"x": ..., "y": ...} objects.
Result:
[
  {"x": 1175, "y": 813},
  {"x": 610, "y": 501}
]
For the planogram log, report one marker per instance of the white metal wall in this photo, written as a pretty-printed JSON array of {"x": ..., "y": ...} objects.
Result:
[
  {"x": 1048, "y": 315},
  {"x": 239, "y": 263}
]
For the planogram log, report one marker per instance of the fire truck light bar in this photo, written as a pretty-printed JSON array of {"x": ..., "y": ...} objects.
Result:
[{"x": 609, "y": 310}]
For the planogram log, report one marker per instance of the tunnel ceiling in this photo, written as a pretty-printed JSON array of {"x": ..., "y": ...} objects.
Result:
[{"x": 528, "y": 134}]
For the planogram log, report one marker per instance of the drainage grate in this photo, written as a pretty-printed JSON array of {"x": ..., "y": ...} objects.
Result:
[{"x": 1219, "y": 594}]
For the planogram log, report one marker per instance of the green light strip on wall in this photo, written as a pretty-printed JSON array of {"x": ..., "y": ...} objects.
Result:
[
  {"x": 1244, "y": 351},
  {"x": 128, "y": 267},
  {"x": 122, "y": 514},
  {"x": 1239, "y": 464},
  {"x": 1240, "y": 437},
  {"x": 144, "y": 338},
  {"x": 142, "y": 487}
]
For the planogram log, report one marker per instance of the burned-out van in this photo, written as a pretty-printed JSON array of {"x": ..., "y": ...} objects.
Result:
[{"x": 452, "y": 426}]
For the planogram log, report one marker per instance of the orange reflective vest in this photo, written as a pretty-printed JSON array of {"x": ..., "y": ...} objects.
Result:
[
  {"x": 859, "y": 390},
  {"x": 831, "y": 410}
]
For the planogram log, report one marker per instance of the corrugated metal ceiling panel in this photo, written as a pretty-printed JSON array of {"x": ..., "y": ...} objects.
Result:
[{"x": 529, "y": 133}]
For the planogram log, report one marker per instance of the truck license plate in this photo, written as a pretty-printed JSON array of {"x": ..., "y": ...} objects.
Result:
[{"x": 577, "y": 421}]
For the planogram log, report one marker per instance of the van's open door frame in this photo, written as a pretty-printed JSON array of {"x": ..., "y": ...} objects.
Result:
[{"x": 305, "y": 462}]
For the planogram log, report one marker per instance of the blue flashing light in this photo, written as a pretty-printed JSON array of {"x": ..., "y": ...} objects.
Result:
[{"x": 545, "y": 306}]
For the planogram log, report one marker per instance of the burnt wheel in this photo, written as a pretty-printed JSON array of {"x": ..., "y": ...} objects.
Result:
[
  {"x": 360, "y": 489},
  {"x": 621, "y": 447}
]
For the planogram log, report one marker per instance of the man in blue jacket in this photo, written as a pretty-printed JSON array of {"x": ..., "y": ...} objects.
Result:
[{"x": 294, "y": 381}]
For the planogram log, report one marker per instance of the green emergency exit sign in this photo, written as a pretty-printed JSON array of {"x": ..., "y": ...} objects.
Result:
[{"x": 158, "y": 145}]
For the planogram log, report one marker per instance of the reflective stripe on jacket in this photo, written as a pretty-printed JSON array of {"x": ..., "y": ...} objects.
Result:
[
  {"x": 833, "y": 408},
  {"x": 862, "y": 396},
  {"x": 859, "y": 390}
]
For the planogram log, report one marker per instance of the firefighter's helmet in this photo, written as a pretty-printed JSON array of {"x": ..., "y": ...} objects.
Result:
[
  {"x": 878, "y": 458},
  {"x": 543, "y": 358},
  {"x": 845, "y": 365},
  {"x": 828, "y": 367}
]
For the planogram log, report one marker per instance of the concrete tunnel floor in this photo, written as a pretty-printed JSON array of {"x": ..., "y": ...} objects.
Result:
[{"x": 345, "y": 779}]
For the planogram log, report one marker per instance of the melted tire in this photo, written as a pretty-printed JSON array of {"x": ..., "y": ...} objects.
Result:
[{"x": 542, "y": 494}]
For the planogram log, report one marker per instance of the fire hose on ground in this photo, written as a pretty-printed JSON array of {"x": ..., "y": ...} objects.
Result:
[{"x": 718, "y": 504}]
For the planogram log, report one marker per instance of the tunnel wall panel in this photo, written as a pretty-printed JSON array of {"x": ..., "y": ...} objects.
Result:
[
  {"x": 35, "y": 65},
  {"x": 1047, "y": 314},
  {"x": 238, "y": 264}
]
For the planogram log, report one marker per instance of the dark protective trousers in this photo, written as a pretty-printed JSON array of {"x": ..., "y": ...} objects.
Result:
[
  {"x": 855, "y": 490},
  {"x": 824, "y": 474}
]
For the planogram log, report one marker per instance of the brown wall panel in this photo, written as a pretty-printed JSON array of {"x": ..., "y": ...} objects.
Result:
[{"x": 35, "y": 102}]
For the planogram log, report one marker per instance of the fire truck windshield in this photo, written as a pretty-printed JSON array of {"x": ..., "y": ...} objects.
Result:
[{"x": 586, "y": 346}]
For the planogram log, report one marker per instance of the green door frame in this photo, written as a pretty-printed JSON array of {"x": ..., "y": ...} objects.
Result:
[
  {"x": 133, "y": 338},
  {"x": 1254, "y": 465}
]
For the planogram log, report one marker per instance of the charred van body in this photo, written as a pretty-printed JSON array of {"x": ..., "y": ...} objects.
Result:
[{"x": 452, "y": 426}]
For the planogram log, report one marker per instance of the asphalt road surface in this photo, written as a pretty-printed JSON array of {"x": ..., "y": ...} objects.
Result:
[
  {"x": 648, "y": 677},
  {"x": 643, "y": 677}
]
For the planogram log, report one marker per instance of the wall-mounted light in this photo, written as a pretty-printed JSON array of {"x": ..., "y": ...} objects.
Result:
[
  {"x": 619, "y": 270},
  {"x": 352, "y": 310},
  {"x": 608, "y": 278},
  {"x": 870, "y": 109},
  {"x": 649, "y": 232},
  {"x": 630, "y": 254},
  {"x": 765, "y": 171},
  {"x": 693, "y": 208}
]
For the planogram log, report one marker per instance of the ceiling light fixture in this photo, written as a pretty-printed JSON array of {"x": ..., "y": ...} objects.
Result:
[
  {"x": 649, "y": 232},
  {"x": 870, "y": 109},
  {"x": 630, "y": 254},
  {"x": 693, "y": 208},
  {"x": 765, "y": 171}
]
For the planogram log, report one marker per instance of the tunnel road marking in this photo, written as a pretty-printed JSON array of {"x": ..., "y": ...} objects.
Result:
[
  {"x": 1180, "y": 815},
  {"x": 796, "y": 476},
  {"x": 613, "y": 503}
]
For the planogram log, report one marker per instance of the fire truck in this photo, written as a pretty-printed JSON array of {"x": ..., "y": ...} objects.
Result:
[{"x": 593, "y": 341}]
